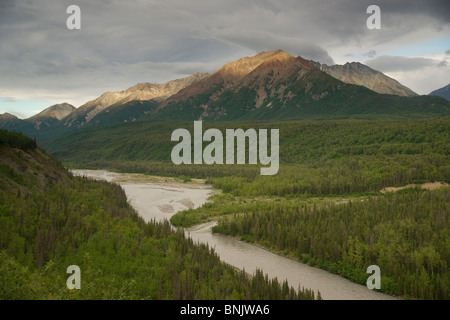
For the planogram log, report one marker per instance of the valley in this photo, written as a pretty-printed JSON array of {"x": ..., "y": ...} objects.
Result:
[
  {"x": 148, "y": 198},
  {"x": 361, "y": 179},
  {"x": 336, "y": 169},
  {"x": 51, "y": 219}
]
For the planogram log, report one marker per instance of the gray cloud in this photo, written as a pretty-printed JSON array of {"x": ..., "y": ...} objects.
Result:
[
  {"x": 447, "y": 52},
  {"x": 398, "y": 63},
  {"x": 371, "y": 53},
  {"x": 442, "y": 64},
  {"x": 8, "y": 100},
  {"x": 263, "y": 41},
  {"x": 122, "y": 43}
]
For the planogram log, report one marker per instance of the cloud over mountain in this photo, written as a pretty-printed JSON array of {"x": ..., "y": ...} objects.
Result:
[{"x": 120, "y": 43}]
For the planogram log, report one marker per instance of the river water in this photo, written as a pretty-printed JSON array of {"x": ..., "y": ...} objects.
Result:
[{"x": 161, "y": 199}]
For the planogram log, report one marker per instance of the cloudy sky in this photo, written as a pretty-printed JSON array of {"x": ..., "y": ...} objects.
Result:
[{"x": 122, "y": 43}]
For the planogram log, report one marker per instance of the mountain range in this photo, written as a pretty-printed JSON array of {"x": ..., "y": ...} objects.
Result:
[
  {"x": 140, "y": 92},
  {"x": 268, "y": 86}
]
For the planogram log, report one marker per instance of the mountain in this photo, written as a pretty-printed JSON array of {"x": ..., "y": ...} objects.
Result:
[
  {"x": 442, "y": 92},
  {"x": 57, "y": 111},
  {"x": 139, "y": 92},
  {"x": 7, "y": 116},
  {"x": 271, "y": 85},
  {"x": 51, "y": 115},
  {"x": 278, "y": 86},
  {"x": 109, "y": 108},
  {"x": 41, "y": 125},
  {"x": 11, "y": 122},
  {"x": 362, "y": 75},
  {"x": 8, "y": 119},
  {"x": 226, "y": 77}
]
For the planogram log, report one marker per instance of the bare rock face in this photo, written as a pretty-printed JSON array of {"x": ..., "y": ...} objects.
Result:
[
  {"x": 48, "y": 116},
  {"x": 246, "y": 65},
  {"x": 230, "y": 75},
  {"x": 139, "y": 92},
  {"x": 360, "y": 74},
  {"x": 57, "y": 111}
]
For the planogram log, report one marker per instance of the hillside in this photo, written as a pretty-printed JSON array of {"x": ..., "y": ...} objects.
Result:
[
  {"x": 362, "y": 75},
  {"x": 331, "y": 177},
  {"x": 140, "y": 92},
  {"x": 326, "y": 157},
  {"x": 50, "y": 219},
  {"x": 51, "y": 115},
  {"x": 45, "y": 124},
  {"x": 442, "y": 92}
]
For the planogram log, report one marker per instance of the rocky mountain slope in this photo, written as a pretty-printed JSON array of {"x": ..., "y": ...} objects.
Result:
[
  {"x": 276, "y": 85},
  {"x": 53, "y": 113},
  {"x": 139, "y": 92},
  {"x": 362, "y": 75},
  {"x": 271, "y": 85}
]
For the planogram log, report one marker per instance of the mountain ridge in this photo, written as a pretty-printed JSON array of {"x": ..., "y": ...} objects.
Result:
[
  {"x": 138, "y": 92},
  {"x": 360, "y": 74},
  {"x": 276, "y": 85},
  {"x": 443, "y": 92},
  {"x": 269, "y": 85}
]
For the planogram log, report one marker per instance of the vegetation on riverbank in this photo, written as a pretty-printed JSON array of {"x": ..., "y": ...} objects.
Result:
[
  {"x": 407, "y": 234},
  {"x": 50, "y": 220},
  {"x": 322, "y": 163}
]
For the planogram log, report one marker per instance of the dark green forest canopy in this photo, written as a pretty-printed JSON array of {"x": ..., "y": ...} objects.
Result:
[
  {"x": 300, "y": 141},
  {"x": 50, "y": 219},
  {"x": 319, "y": 160},
  {"x": 407, "y": 234},
  {"x": 317, "y": 157}
]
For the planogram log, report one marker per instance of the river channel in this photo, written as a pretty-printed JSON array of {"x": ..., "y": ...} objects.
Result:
[{"x": 160, "y": 198}]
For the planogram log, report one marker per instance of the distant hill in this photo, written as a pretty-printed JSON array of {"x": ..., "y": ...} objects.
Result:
[
  {"x": 442, "y": 92},
  {"x": 43, "y": 124},
  {"x": 51, "y": 115},
  {"x": 360, "y": 74},
  {"x": 57, "y": 111},
  {"x": 8, "y": 119},
  {"x": 7, "y": 116}
]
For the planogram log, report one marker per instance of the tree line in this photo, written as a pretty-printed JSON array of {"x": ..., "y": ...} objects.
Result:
[
  {"x": 45, "y": 227},
  {"x": 407, "y": 234}
]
